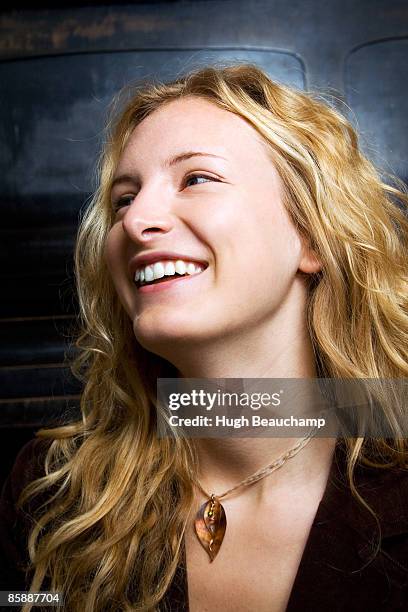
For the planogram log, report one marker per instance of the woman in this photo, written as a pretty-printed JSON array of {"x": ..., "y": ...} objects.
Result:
[{"x": 293, "y": 265}]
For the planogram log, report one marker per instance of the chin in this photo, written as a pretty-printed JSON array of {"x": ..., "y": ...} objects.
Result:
[{"x": 159, "y": 334}]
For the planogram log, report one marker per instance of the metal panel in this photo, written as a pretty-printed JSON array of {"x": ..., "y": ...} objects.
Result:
[
  {"x": 53, "y": 112},
  {"x": 376, "y": 76}
]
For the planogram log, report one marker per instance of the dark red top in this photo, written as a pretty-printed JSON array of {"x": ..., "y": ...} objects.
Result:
[{"x": 336, "y": 572}]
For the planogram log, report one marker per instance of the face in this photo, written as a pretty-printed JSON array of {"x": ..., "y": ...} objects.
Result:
[{"x": 219, "y": 213}]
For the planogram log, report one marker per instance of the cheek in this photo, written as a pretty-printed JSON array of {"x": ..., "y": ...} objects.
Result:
[
  {"x": 272, "y": 238},
  {"x": 251, "y": 234},
  {"x": 257, "y": 257}
]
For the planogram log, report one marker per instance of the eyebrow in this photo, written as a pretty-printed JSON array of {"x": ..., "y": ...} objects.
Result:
[
  {"x": 182, "y": 156},
  {"x": 171, "y": 161}
]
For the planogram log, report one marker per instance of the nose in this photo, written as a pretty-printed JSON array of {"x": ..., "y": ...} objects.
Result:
[{"x": 142, "y": 224}]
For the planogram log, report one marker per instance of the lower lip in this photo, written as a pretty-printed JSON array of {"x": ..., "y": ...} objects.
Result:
[{"x": 167, "y": 284}]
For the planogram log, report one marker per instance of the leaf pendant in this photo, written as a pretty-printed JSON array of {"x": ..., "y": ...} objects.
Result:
[{"x": 210, "y": 525}]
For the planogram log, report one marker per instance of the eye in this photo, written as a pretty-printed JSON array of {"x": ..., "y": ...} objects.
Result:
[
  {"x": 126, "y": 200},
  {"x": 199, "y": 176},
  {"x": 122, "y": 201}
]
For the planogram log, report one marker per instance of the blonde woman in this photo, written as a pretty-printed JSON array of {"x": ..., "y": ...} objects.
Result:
[{"x": 293, "y": 265}]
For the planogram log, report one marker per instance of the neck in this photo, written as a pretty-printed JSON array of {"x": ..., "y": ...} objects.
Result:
[
  {"x": 279, "y": 348},
  {"x": 226, "y": 462}
]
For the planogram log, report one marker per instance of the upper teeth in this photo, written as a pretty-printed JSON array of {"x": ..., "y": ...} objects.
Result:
[{"x": 166, "y": 268}]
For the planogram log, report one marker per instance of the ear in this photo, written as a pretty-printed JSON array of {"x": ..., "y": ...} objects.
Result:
[{"x": 309, "y": 262}]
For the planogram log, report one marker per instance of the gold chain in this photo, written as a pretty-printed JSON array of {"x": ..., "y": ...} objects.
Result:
[{"x": 267, "y": 470}]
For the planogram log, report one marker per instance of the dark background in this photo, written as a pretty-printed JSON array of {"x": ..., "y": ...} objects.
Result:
[{"x": 59, "y": 68}]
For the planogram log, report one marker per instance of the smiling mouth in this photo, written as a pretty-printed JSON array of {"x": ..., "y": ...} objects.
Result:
[{"x": 166, "y": 271}]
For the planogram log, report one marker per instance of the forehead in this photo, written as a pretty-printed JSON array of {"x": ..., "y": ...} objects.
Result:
[{"x": 193, "y": 123}]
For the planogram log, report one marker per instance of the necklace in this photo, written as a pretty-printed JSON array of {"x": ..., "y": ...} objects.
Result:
[{"x": 211, "y": 522}]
